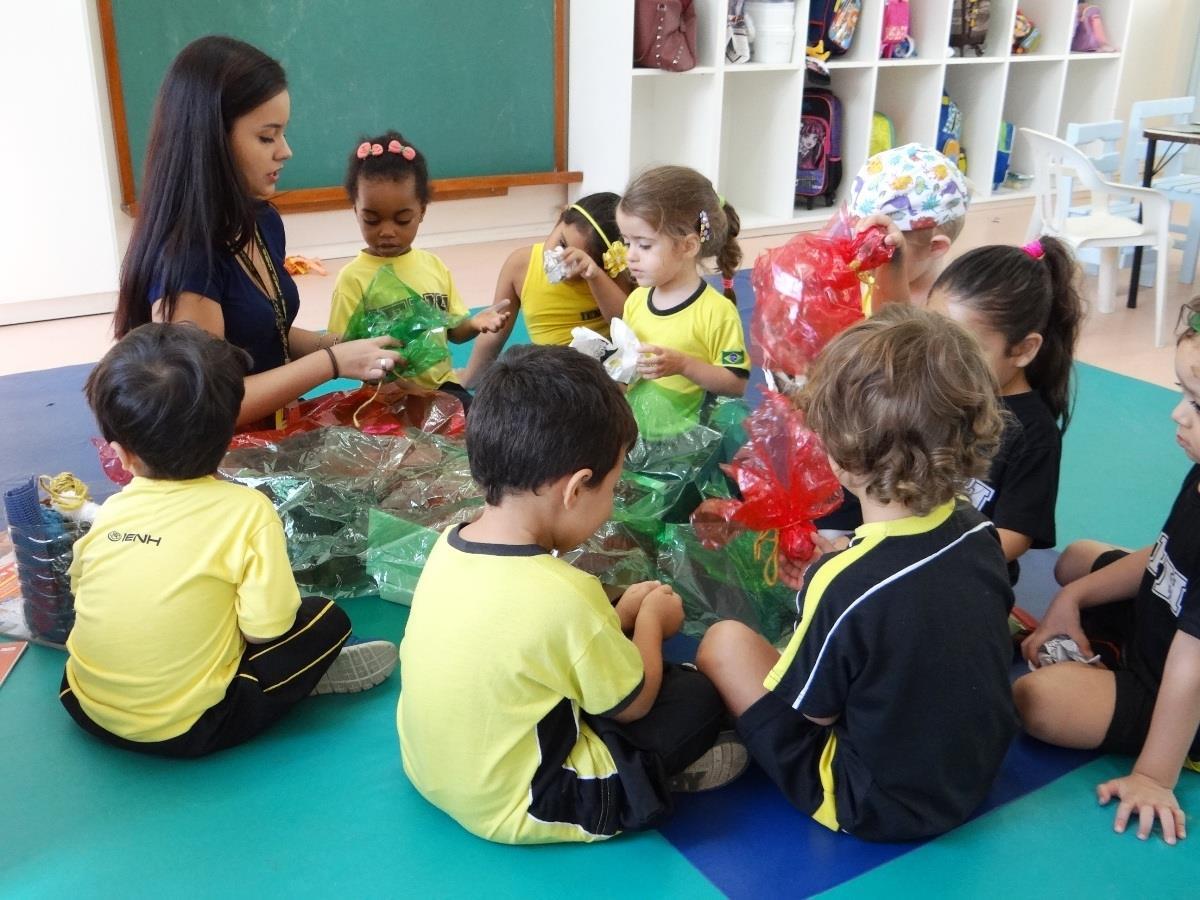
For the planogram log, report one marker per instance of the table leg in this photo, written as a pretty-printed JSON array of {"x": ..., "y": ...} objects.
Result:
[{"x": 1136, "y": 269}]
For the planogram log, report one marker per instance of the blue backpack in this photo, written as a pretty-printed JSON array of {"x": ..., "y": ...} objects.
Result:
[
  {"x": 833, "y": 22},
  {"x": 1004, "y": 146}
]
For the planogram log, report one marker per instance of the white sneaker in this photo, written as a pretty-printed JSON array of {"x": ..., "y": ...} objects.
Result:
[
  {"x": 358, "y": 667},
  {"x": 720, "y": 764}
]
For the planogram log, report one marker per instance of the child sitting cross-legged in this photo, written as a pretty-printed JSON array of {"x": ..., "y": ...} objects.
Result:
[
  {"x": 889, "y": 712},
  {"x": 532, "y": 710},
  {"x": 190, "y": 635}
]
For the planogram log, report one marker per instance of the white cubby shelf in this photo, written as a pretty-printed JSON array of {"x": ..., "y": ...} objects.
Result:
[{"x": 739, "y": 124}]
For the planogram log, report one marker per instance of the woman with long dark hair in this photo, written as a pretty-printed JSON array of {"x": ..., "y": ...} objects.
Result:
[{"x": 208, "y": 248}]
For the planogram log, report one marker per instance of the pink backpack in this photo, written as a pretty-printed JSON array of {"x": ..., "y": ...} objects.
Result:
[
  {"x": 1090, "y": 36},
  {"x": 896, "y": 23}
]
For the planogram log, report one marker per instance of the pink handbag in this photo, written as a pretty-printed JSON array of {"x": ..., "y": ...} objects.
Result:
[{"x": 664, "y": 35}]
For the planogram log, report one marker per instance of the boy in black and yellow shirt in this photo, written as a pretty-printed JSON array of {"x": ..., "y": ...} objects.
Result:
[
  {"x": 890, "y": 711},
  {"x": 526, "y": 712},
  {"x": 190, "y": 635}
]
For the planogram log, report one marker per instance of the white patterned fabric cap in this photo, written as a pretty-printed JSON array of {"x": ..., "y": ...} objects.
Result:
[{"x": 914, "y": 185}]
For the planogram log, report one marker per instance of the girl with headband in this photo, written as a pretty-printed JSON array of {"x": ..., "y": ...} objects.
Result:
[{"x": 576, "y": 277}]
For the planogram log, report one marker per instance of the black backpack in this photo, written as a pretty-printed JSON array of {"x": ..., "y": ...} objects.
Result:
[{"x": 969, "y": 24}]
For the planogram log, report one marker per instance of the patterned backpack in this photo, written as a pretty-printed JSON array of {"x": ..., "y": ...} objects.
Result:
[
  {"x": 969, "y": 24},
  {"x": 819, "y": 160}
]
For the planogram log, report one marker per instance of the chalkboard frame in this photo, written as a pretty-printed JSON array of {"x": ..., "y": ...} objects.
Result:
[{"x": 334, "y": 197}]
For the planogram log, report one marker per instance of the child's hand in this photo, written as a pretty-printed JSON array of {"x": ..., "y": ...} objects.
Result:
[
  {"x": 1061, "y": 618},
  {"x": 1143, "y": 795},
  {"x": 369, "y": 359},
  {"x": 660, "y": 362},
  {"x": 631, "y": 602},
  {"x": 895, "y": 237},
  {"x": 578, "y": 264},
  {"x": 791, "y": 572},
  {"x": 492, "y": 319},
  {"x": 663, "y": 604}
]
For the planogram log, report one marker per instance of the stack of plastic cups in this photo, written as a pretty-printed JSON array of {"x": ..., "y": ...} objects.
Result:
[
  {"x": 774, "y": 30},
  {"x": 43, "y": 551}
]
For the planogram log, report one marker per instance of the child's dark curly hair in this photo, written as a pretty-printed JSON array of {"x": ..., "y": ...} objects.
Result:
[
  {"x": 387, "y": 157},
  {"x": 906, "y": 400},
  {"x": 603, "y": 208}
]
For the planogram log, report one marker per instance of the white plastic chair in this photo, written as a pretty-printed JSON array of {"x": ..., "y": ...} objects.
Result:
[
  {"x": 1179, "y": 186},
  {"x": 1099, "y": 142},
  {"x": 1059, "y": 168}
]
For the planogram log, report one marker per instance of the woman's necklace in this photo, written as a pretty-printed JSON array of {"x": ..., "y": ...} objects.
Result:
[{"x": 274, "y": 293}]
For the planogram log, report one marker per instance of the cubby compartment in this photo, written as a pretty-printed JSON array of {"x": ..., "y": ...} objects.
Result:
[
  {"x": 929, "y": 25},
  {"x": 998, "y": 42},
  {"x": 1115, "y": 16},
  {"x": 864, "y": 47},
  {"x": 854, "y": 86},
  {"x": 675, "y": 119},
  {"x": 978, "y": 91},
  {"x": 760, "y": 130},
  {"x": 911, "y": 97},
  {"x": 1031, "y": 101},
  {"x": 1091, "y": 89},
  {"x": 1055, "y": 19}
]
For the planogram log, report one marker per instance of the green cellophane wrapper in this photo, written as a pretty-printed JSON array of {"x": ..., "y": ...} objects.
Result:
[
  {"x": 323, "y": 483},
  {"x": 390, "y": 308},
  {"x": 730, "y": 583}
]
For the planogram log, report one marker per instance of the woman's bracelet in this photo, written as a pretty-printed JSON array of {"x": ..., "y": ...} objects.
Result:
[{"x": 337, "y": 373}]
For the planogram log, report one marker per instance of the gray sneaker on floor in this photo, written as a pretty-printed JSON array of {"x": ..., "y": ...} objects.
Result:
[
  {"x": 359, "y": 666},
  {"x": 720, "y": 764}
]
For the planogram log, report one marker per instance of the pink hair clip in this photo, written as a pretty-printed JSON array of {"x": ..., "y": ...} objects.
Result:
[
  {"x": 364, "y": 150},
  {"x": 408, "y": 153},
  {"x": 1034, "y": 249}
]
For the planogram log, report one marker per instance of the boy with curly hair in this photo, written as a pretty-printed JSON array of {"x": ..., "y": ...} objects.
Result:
[{"x": 889, "y": 712}]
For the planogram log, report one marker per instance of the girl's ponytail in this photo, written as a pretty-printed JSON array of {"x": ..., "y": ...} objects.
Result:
[
  {"x": 729, "y": 254},
  {"x": 1051, "y": 371}
]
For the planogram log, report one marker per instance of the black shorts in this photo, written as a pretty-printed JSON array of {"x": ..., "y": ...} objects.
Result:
[
  {"x": 787, "y": 746},
  {"x": 1113, "y": 623}
]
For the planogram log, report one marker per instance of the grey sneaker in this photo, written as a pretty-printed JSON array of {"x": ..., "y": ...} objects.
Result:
[
  {"x": 720, "y": 764},
  {"x": 359, "y": 666}
]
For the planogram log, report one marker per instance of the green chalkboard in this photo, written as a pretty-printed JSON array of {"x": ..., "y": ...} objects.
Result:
[{"x": 470, "y": 82}]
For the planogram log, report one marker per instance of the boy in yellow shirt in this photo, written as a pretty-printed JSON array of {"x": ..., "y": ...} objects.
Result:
[
  {"x": 190, "y": 635},
  {"x": 532, "y": 710}
]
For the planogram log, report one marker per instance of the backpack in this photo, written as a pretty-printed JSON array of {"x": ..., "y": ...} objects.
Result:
[
  {"x": 883, "y": 134},
  {"x": 949, "y": 139},
  {"x": 1004, "y": 144},
  {"x": 664, "y": 35},
  {"x": 969, "y": 24},
  {"x": 833, "y": 22},
  {"x": 896, "y": 23},
  {"x": 819, "y": 157},
  {"x": 1026, "y": 36},
  {"x": 1090, "y": 36}
]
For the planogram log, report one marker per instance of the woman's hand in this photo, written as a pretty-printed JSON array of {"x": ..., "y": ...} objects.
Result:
[{"x": 368, "y": 359}]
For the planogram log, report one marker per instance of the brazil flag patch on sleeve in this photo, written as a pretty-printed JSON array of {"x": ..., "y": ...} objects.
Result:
[{"x": 733, "y": 357}]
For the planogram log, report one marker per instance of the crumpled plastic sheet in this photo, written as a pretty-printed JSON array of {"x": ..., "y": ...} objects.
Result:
[
  {"x": 729, "y": 583},
  {"x": 785, "y": 482},
  {"x": 810, "y": 289},
  {"x": 390, "y": 307},
  {"x": 323, "y": 483}
]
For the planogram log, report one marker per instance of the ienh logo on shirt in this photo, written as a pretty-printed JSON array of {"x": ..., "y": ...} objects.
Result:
[{"x": 132, "y": 537}]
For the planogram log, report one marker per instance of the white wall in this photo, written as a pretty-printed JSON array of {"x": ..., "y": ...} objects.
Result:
[
  {"x": 1159, "y": 52},
  {"x": 57, "y": 230}
]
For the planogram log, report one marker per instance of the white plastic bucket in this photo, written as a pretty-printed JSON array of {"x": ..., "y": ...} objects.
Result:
[
  {"x": 769, "y": 16},
  {"x": 772, "y": 45}
]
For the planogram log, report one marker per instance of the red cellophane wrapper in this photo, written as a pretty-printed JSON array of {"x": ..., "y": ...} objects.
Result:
[
  {"x": 395, "y": 408},
  {"x": 809, "y": 290},
  {"x": 784, "y": 478}
]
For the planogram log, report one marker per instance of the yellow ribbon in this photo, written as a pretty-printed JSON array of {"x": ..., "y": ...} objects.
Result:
[
  {"x": 65, "y": 490},
  {"x": 366, "y": 403},
  {"x": 771, "y": 565},
  {"x": 615, "y": 255}
]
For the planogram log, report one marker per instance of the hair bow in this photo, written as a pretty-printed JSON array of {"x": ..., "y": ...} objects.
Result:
[
  {"x": 407, "y": 152},
  {"x": 366, "y": 148}
]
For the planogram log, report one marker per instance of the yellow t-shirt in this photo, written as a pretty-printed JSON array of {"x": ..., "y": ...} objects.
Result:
[
  {"x": 503, "y": 648},
  {"x": 168, "y": 579},
  {"x": 421, "y": 271},
  {"x": 706, "y": 326},
  {"x": 552, "y": 310}
]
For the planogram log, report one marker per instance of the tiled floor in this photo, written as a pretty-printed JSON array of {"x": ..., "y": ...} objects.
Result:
[{"x": 1120, "y": 341}]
